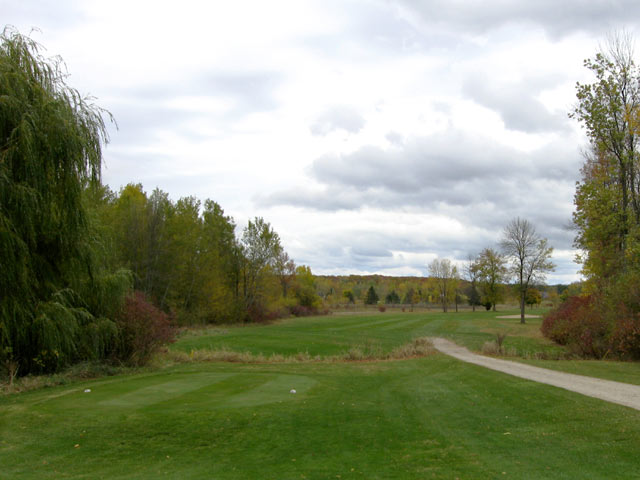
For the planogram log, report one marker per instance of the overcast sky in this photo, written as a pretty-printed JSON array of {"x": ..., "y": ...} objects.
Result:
[{"x": 372, "y": 135}]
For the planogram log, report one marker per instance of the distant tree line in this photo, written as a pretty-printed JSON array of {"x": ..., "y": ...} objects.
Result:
[{"x": 363, "y": 290}]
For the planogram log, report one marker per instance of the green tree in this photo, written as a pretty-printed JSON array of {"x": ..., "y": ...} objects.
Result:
[
  {"x": 220, "y": 273},
  {"x": 348, "y": 295},
  {"x": 409, "y": 296},
  {"x": 51, "y": 141},
  {"x": 372, "y": 296},
  {"x": 304, "y": 289},
  {"x": 131, "y": 223},
  {"x": 184, "y": 229},
  {"x": 492, "y": 271},
  {"x": 261, "y": 250},
  {"x": 529, "y": 254},
  {"x": 533, "y": 297},
  {"x": 157, "y": 262},
  {"x": 392, "y": 298},
  {"x": 285, "y": 268}
]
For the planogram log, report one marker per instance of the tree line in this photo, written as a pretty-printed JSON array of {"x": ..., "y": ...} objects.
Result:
[
  {"x": 604, "y": 319},
  {"x": 524, "y": 256},
  {"x": 90, "y": 274},
  {"x": 187, "y": 258}
]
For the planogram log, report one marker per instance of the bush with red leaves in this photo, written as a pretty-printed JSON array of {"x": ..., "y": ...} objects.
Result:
[
  {"x": 625, "y": 338},
  {"x": 590, "y": 327},
  {"x": 143, "y": 330},
  {"x": 562, "y": 324}
]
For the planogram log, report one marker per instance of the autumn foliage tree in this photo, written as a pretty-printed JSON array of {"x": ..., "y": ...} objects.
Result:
[
  {"x": 607, "y": 198},
  {"x": 491, "y": 273},
  {"x": 607, "y": 214}
]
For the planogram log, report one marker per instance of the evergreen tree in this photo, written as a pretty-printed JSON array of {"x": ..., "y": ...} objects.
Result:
[
  {"x": 392, "y": 298},
  {"x": 372, "y": 296}
]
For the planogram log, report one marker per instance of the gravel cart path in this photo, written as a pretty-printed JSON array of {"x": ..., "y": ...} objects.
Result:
[{"x": 615, "y": 392}]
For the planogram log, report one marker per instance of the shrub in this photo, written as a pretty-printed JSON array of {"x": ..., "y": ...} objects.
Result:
[
  {"x": 563, "y": 324},
  {"x": 594, "y": 326},
  {"x": 625, "y": 338},
  {"x": 258, "y": 313},
  {"x": 490, "y": 348},
  {"x": 420, "y": 347},
  {"x": 143, "y": 329},
  {"x": 382, "y": 308},
  {"x": 302, "y": 310}
]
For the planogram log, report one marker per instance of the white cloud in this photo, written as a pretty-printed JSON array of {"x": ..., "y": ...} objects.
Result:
[{"x": 373, "y": 135}]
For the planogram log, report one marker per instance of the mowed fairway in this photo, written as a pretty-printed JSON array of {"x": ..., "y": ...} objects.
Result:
[
  {"x": 432, "y": 417},
  {"x": 336, "y": 334}
]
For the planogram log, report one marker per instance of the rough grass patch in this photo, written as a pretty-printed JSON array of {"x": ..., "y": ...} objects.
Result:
[
  {"x": 77, "y": 372},
  {"x": 490, "y": 348},
  {"x": 420, "y": 347}
]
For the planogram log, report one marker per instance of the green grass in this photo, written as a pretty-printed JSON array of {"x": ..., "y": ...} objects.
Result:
[
  {"x": 432, "y": 417},
  {"x": 381, "y": 332},
  {"x": 426, "y": 418},
  {"x": 335, "y": 334}
]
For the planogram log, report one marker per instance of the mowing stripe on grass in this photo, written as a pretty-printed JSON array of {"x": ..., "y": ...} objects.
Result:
[
  {"x": 220, "y": 390},
  {"x": 404, "y": 323},
  {"x": 365, "y": 324},
  {"x": 163, "y": 391}
]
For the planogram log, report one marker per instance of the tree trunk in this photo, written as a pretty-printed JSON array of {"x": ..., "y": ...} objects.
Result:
[{"x": 522, "y": 295}]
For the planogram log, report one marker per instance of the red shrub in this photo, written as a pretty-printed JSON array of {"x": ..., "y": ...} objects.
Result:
[
  {"x": 579, "y": 323},
  {"x": 594, "y": 327},
  {"x": 382, "y": 308},
  {"x": 259, "y": 313},
  {"x": 560, "y": 324},
  {"x": 302, "y": 311},
  {"x": 625, "y": 338},
  {"x": 143, "y": 329}
]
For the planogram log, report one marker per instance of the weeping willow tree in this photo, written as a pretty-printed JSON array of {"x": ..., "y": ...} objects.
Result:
[{"x": 54, "y": 298}]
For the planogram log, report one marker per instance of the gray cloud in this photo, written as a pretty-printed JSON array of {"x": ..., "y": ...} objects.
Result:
[
  {"x": 143, "y": 112},
  {"x": 422, "y": 164},
  {"x": 516, "y": 104},
  {"x": 474, "y": 180},
  {"x": 395, "y": 138},
  {"x": 338, "y": 118},
  {"x": 453, "y": 176},
  {"x": 557, "y": 18}
]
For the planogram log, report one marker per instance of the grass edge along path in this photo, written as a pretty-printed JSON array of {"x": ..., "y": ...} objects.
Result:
[{"x": 610, "y": 391}]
